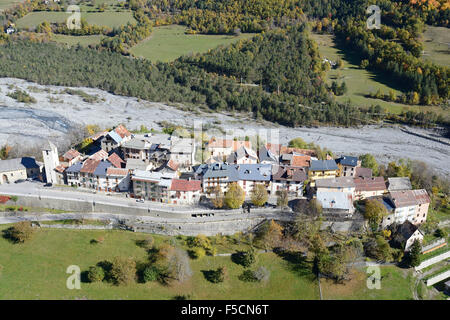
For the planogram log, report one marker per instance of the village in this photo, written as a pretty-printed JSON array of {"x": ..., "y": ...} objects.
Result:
[{"x": 162, "y": 168}]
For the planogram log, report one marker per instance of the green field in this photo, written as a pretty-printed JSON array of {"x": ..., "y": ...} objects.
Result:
[
  {"x": 5, "y": 4},
  {"x": 74, "y": 40},
  {"x": 110, "y": 19},
  {"x": 170, "y": 42},
  {"x": 37, "y": 270},
  {"x": 359, "y": 81},
  {"x": 436, "y": 41}
]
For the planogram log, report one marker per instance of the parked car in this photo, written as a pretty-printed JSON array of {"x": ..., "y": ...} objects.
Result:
[
  {"x": 140, "y": 200},
  {"x": 20, "y": 181},
  {"x": 49, "y": 184}
]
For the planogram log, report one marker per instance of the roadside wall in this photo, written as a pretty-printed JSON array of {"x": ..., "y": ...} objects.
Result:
[
  {"x": 433, "y": 260},
  {"x": 438, "y": 278}
]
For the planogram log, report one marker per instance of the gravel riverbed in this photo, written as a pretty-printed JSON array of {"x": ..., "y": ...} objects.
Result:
[{"x": 56, "y": 112}]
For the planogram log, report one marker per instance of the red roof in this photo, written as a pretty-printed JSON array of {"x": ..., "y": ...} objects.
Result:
[
  {"x": 307, "y": 152},
  {"x": 116, "y": 172},
  {"x": 173, "y": 165},
  {"x": 4, "y": 199},
  {"x": 122, "y": 131},
  {"x": 185, "y": 185},
  {"x": 90, "y": 165},
  {"x": 99, "y": 155},
  {"x": 60, "y": 168},
  {"x": 71, "y": 154},
  {"x": 300, "y": 161},
  {"x": 226, "y": 143},
  {"x": 115, "y": 160}
]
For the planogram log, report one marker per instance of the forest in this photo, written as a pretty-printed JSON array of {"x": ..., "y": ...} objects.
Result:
[{"x": 278, "y": 75}]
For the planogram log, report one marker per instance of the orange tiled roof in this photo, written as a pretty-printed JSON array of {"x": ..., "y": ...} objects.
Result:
[
  {"x": 60, "y": 168},
  {"x": 99, "y": 155},
  {"x": 306, "y": 152},
  {"x": 185, "y": 185},
  {"x": 227, "y": 143},
  {"x": 115, "y": 160},
  {"x": 111, "y": 171},
  {"x": 90, "y": 165},
  {"x": 122, "y": 131},
  {"x": 71, "y": 154},
  {"x": 173, "y": 165},
  {"x": 300, "y": 161}
]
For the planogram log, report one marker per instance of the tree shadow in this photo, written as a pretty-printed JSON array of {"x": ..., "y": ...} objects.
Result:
[
  {"x": 209, "y": 275},
  {"x": 297, "y": 262}
]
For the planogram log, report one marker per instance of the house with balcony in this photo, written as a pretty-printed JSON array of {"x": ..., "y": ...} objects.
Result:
[
  {"x": 288, "y": 178},
  {"x": 185, "y": 191},
  {"x": 347, "y": 166},
  {"x": 411, "y": 205},
  {"x": 369, "y": 187},
  {"x": 153, "y": 186},
  {"x": 322, "y": 169},
  {"x": 251, "y": 174}
]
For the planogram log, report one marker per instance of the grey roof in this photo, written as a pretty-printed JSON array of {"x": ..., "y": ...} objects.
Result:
[
  {"x": 133, "y": 164},
  {"x": 218, "y": 170},
  {"x": 348, "y": 161},
  {"x": 339, "y": 182},
  {"x": 267, "y": 155},
  {"x": 401, "y": 183},
  {"x": 101, "y": 168},
  {"x": 254, "y": 172},
  {"x": 241, "y": 153},
  {"x": 323, "y": 165},
  {"x": 335, "y": 200},
  {"x": 18, "y": 164},
  {"x": 75, "y": 168},
  {"x": 182, "y": 145},
  {"x": 137, "y": 143}
]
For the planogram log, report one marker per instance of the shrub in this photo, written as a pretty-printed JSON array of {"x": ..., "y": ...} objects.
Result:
[
  {"x": 21, "y": 231},
  {"x": 440, "y": 233},
  {"x": 123, "y": 270},
  {"x": 147, "y": 243},
  {"x": 216, "y": 276},
  {"x": 95, "y": 274},
  {"x": 244, "y": 258},
  {"x": 197, "y": 253},
  {"x": 248, "y": 276},
  {"x": 150, "y": 273}
]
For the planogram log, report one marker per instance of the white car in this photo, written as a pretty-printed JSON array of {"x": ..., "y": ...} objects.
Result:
[{"x": 140, "y": 200}]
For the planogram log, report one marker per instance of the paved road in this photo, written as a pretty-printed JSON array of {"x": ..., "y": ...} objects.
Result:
[{"x": 68, "y": 193}]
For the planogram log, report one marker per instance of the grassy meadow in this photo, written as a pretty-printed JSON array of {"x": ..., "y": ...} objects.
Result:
[
  {"x": 360, "y": 82},
  {"x": 167, "y": 43},
  {"x": 109, "y": 18},
  {"x": 37, "y": 270},
  {"x": 6, "y": 4},
  {"x": 436, "y": 41}
]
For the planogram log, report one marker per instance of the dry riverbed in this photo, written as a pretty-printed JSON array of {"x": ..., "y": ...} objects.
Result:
[{"x": 56, "y": 112}]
